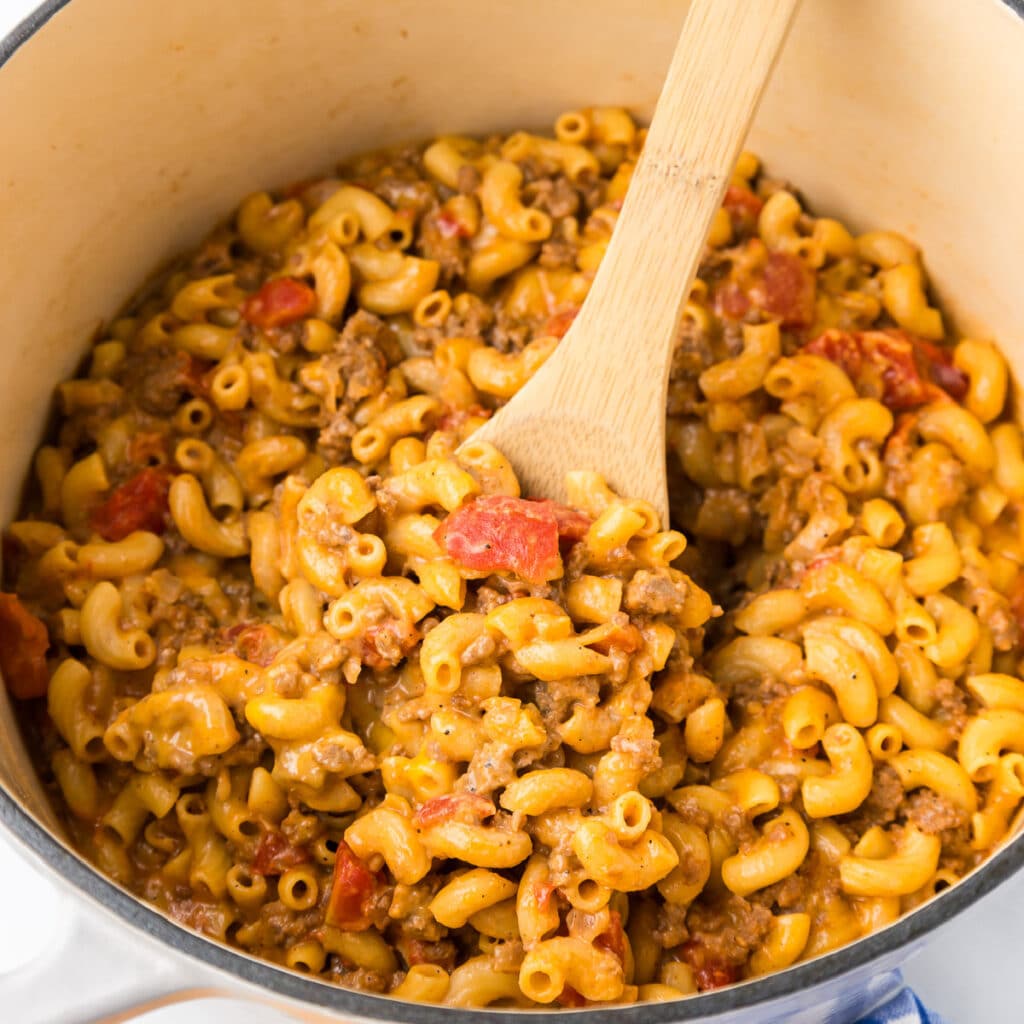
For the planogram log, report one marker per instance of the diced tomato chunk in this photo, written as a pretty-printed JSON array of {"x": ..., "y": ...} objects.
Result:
[
  {"x": 730, "y": 301},
  {"x": 709, "y": 971},
  {"x": 280, "y": 301},
  {"x": 572, "y": 524},
  {"x": 715, "y": 976},
  {"x": 496, "y": 533},
  {"x": 140, "y": 503},
  {"x": 275, "y": 855},
  {"x": 743, "y": 207},
  {"x": 190, "y": 374},
  {"x": 839, "y": 347},
  {"x": 786, "y": 289},
  {"x": 256, "y": 642},
  {"x": 351, "y": 889},
  {"x": 899, "y": 369},
  {"x": 559, "y": 323},
  {"x": 902, "y": 384},
  {"x": 465, "y": 807},
  {"x": 23, "y": 645}
]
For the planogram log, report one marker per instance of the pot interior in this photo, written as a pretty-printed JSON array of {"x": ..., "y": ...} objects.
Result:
[{"x": 128, "y": 132}]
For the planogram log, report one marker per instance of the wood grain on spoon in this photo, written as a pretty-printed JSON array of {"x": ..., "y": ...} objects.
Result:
[{"x": 599, "y": 402}]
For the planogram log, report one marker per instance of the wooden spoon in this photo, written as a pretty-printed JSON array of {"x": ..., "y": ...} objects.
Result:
[{"x": 598, "y": 403}]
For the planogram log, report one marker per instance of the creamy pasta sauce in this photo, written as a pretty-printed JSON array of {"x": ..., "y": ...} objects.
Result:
[{"x": 303, "y": 668}]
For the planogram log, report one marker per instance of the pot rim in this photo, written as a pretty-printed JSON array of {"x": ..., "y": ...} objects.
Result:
[{"x": 802, "y": 976}]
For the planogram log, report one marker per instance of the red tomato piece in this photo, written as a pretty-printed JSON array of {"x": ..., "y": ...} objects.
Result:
[
  {"x": 281, "y": 300},
  {"x": 786, "y": 289},
  {"x": 893, "y": 358},
  {"x": 464, "y": 807},
  {"x": 255, "y": 642},
  {"x": 23, "y": 645},
  {"x": 839, "y": 347},
  {"x": 496, "y": 533},
  {"x": 731, "y": 302},
  {"x": 190, "y": 374},
  {"x": 743, "y": 207},
  {"x": 351, "y": 889},
  {"x": 140, "y": 503},
  {"x": 560, "y": 323},
  {"x": 572, "y": 524},
  {"x": 709, "y": 971},
  {"x": 275, "y": 855},
  {"x": 715, "y": 976},
  {"x": 901, "y": 370}
]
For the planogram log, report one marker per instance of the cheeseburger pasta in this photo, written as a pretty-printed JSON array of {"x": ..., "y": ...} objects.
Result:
[{"x": 304, "y": 668}]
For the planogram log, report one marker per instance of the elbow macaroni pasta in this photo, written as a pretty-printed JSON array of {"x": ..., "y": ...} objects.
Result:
[{"x": 324, "y": 684}]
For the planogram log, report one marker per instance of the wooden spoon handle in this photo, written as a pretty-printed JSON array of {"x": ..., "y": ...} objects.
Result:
[
  {"x": 720, "y": 66},
  {"x": 599, "y": 402}
]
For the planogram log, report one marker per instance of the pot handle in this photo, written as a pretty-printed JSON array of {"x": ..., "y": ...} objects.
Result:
[{"x": 93, "y": 971}]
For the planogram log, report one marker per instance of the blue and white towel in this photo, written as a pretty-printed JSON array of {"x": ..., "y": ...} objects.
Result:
[{"x": 904, "y": 1008}]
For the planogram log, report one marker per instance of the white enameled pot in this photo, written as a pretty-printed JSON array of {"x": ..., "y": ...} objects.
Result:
[{"x": 130, "y": 126}]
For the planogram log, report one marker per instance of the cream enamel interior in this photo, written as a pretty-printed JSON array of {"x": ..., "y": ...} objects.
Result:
[{"x": 129, "y": 129}]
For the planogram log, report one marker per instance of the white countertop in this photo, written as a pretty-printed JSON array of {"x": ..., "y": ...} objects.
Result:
[{"x": 970, "y": 972}]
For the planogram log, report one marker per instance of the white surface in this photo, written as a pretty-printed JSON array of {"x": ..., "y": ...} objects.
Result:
[{"x": 969, "y": 972}]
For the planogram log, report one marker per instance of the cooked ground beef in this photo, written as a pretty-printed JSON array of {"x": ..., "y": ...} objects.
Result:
[
  {"x": 436, "y": 241},
  {"x": 933, "y": 813},
  {"x": 671, "y": 930},
  {"x": 952, "y": 705},
  {"x": 364, "y": 350},
  {"x": 556, "y": 253},
  {"x": 728, "y": 929},
  {"x": 555, "y": 196},
  {"x": 657, "y": 591},
  {"x": 881, "y": 806}
]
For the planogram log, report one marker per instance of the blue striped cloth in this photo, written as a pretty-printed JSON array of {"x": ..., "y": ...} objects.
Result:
[{"x": 903, "y": 1008}]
